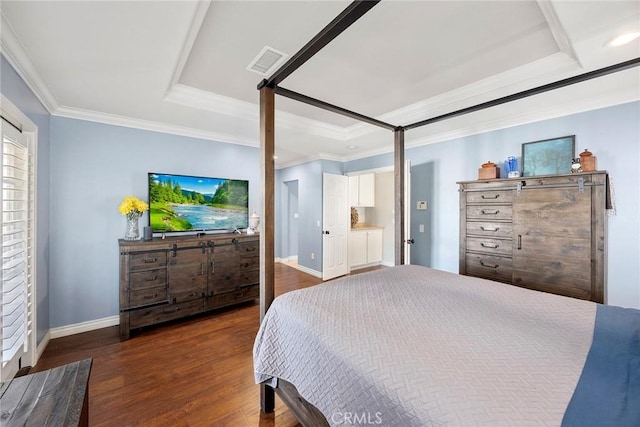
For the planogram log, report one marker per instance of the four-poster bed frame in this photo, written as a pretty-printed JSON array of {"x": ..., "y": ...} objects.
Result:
[{"x": 269, "y": 88}]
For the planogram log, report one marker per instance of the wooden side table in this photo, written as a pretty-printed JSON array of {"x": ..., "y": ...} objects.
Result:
[{"x": 56, "y": 397}]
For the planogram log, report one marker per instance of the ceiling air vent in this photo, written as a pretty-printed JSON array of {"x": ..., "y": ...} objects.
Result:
[{"x": 267, "y": 61}]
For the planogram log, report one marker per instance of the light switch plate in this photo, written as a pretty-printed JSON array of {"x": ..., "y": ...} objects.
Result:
[{"x": 422, "y": 205}]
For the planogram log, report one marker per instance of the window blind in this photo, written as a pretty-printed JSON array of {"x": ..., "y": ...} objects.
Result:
[{"x": 16, "y": 273}]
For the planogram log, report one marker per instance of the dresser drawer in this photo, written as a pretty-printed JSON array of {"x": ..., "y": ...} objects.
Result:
[
  {"x": 249, "y": 263},
  {"x": 162, "y": 313},
  {"x": 249, "y": 249},
  {"x": 248, "y": 277},
  {"x": 188, "y": 291},
  {"x": 489, "y": 267},
  {"x": 247, "y": 293},
  {"x": 145, "y": 260},
  {"x": 148, "y": 296},
  {"x": 224, "y": 251},
  {"x": 490, "y": 229},
  {"x": 490, "y": 246},
  {"x": 148, "y": 278},
  {"x": 489, "y": 212},
  {"x": 484, "y": 197}
]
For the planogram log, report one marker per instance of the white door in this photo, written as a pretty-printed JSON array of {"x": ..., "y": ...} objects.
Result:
[
  {"x": 407, "y": 212},
  {"x": 336, "y": 222}
]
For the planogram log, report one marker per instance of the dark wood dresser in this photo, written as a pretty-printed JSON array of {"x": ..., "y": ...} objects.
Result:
[
  {"x": 167, "y": 279},
  {"x": 545, "y": 233}
]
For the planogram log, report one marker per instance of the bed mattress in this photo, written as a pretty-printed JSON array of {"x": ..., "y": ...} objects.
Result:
[{"x": 413, "y": 346}]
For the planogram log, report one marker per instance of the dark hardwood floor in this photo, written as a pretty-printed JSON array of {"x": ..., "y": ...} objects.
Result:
[{"x": 193, "y": 372}]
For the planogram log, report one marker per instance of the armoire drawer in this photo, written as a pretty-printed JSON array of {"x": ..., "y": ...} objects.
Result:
[
  {"x": 490, "y": 212},
  {"x": 489, "y": 229},
  {"x": 490, "y": 246},
  {"x": 489, "y": 267},
  {"x": 496, "y": 196}
]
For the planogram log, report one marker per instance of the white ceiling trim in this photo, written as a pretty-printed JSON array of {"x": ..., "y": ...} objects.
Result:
[
  {"x": 194, "y": 29},
  {"x": 113, "y": 119},
  {"x": 13, "y": 50},
  {"x": 204, "y": 100},
  {"x": 557, "y": 29},
  {"x": 541, "y": 113},
  {"x": 551, "y": 68}
]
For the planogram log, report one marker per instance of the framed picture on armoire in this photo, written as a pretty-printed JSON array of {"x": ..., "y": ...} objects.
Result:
[{"x": 548, "y": 156}]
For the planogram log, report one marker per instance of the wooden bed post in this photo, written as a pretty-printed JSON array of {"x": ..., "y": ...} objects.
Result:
[
  {"x": 267, "y": 240},
  {"x": 398, "y": 168}
]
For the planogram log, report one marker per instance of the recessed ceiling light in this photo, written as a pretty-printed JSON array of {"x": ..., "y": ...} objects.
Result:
[
  {"x": 624, "y": 39},
  {"x": 352, "y": 147}
]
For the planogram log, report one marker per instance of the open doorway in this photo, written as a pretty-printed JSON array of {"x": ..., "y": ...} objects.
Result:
[{"x": 292, "y": 224}]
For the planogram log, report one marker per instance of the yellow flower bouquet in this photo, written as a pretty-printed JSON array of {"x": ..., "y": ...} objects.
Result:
[{"x": 132, "y": 208}]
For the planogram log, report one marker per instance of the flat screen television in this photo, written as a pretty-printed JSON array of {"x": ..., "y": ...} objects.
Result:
[{"x": 196, "y": 203}]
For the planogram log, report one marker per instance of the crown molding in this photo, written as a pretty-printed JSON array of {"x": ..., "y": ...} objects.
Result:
[
  {"x": 116, "y": 120},
  {"x": 12, "y": 49}
]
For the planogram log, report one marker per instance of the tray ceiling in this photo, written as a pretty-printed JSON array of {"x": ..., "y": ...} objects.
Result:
[{"x": 180, "y": 67}]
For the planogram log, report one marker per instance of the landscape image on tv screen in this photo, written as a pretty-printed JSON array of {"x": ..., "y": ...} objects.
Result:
[{"x": 192, "y": 203}]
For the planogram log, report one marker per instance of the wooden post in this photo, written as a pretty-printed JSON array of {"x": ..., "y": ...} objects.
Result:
[
  {"x": 398, "y": 167},
  {"x": 267, "y": 236}
]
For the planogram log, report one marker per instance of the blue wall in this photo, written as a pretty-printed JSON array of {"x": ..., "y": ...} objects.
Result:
[
  {"x": 612, "y": 134},
  {"x": 84, "y": 169},
  {"x": 15, "y": 89},
  {"x": 93, "y": 166}
]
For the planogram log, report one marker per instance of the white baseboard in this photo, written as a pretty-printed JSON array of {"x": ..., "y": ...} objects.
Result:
[
  {"x": 310, "y": 271},
  {"x": 388, "y": 263},
  {"x": 78, "y": 328},
  {"x": 41, "y": 347}
]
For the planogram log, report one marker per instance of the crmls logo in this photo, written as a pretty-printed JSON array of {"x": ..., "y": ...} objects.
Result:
[{"x": 356, "y": 418}]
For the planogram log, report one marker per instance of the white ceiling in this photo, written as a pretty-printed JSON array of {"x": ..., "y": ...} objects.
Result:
[{"x": 180, "y": 67}]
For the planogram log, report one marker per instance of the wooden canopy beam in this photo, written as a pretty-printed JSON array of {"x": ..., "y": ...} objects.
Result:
[
  {"x": 530, "y": 92},
  {"x": 351, "y": 14},
  {"x": 398, "y": 176},
  {"x": 330, "y": 107},
  {"x": 267, "y": 226}
]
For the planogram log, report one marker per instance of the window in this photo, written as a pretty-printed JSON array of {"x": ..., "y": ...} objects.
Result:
[{"x": 17, "y": 243}]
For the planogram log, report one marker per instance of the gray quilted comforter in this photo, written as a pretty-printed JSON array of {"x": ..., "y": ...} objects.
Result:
[{"x": 412, "y": 346}]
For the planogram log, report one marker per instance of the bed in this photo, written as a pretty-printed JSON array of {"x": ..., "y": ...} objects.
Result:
[{"x": 413, "y": 346}]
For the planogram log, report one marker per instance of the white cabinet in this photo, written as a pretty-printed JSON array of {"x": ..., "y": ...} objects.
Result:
[
  {"x": 365, "y": 247},
  {"x": 362, "y": 190}
]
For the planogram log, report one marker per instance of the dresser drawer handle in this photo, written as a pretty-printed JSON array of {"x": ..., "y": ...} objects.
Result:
[
  {"x": 150, "y": 260},
  {"x": 238, "y": 295},
  {"x": 155, "y": 295},
  {"x": 483, "y": 228},
  {"x": 490, "y": 197},
  {"x": 251, "y": 249},
  {"x": 487, "y": 265},
  {"x": 155, "y": 277},
  {"x": 489, "y": 245},
  {"x": 486, "y": 212}
]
